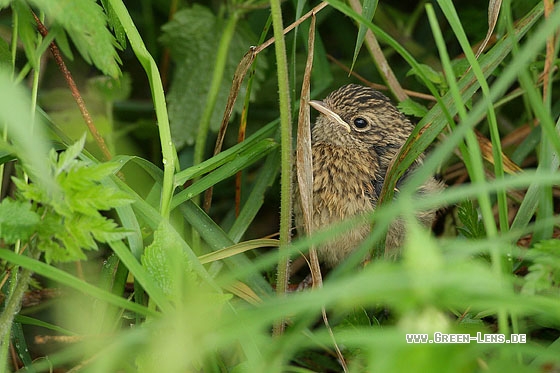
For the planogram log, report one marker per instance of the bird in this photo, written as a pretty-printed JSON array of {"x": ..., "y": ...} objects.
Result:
[{"x": 354, "y": 140}]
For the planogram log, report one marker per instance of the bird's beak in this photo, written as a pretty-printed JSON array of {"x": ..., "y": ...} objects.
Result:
[{"x": 323, "y": 109}]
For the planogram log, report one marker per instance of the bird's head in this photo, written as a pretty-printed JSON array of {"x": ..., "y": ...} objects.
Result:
[{"x": 360, "y": 117}]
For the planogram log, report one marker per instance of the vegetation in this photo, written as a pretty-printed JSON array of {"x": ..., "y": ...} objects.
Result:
[{"x": 140, "y": 233}]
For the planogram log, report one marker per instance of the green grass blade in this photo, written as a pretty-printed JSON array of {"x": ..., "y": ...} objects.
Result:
[
  {"x": 368, "y": 11},
  {"x": 67, "y": 279},
  {"x": 458, "y": 30},
  {"x": 425, "y": 134},
  {"x": 158, "y": 96},
  {"x": 217, "y": 239},
  {"x": 26, "y": 320},
  {"x": 240, "y": 162},
  {"x": 141, "y": 275},
  {"x": 255, "y": 200},
  {"x": 226, "y": 156}
]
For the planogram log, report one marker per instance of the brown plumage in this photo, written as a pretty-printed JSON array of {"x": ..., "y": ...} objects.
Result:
[{"x": 354, "y": 140}]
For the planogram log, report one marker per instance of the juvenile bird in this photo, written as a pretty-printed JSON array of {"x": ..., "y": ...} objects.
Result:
[{"x": 354, "y": 140}]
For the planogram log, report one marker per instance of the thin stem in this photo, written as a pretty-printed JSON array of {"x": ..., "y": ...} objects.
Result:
[
  {"x": 75, "y": 92},
  {"x": 13, "y": 305},
  {"x": 158, "y": 96},
  {"x": 285, "y": 152}
]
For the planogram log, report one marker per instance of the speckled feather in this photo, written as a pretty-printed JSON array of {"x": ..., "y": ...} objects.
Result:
[{"x": 351, "y": 154}]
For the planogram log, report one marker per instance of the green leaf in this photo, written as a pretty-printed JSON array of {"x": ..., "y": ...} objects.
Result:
[
  {"x": 17, "y": 220},
  {"x": 4, "y": 3},
  {"x": 193, "y": 37},
  {"x": 412, "y": 108},
  {"x": 62, "y": 41},
  {"x": 67, "y": 158},
  {"x": 544, "y": 272},
  {"x": 86, "y": 24},
  {"x": 68, "y": 280},
  {"x": 368, "y": 10},
  {"x": 114, "y": 23},
  {"x": 355, "y": 318},
  {"x": 243, "y": 160},
  {"x": 26, "y": 30},
  {"x": 427, "y": 71},
  {"x": 167, "y": 263},
  {"x": 26, "y": 320},
  {"x": 112, "y": 89},
  {"x": 71, "y": 219},
  {"x": 5, "y": 55},
  {"x": 473, "y": 227}
]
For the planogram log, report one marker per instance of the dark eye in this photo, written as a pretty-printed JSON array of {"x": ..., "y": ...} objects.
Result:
[{"x": 360, "y": 122}]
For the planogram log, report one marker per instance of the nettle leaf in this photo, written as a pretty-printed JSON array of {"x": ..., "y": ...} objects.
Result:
[
  {"x": 167, "y": 263},
  {"x": 193, "y": 37},
  {"x": 86, "y": 24},
  {"x": 17, "y": 220}
]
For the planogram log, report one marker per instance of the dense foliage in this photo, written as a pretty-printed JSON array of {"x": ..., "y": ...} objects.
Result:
[{"x": 147, "y": 157}]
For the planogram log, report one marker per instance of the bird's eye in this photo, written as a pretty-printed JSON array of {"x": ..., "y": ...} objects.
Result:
[{"x": 360, "y": 123}]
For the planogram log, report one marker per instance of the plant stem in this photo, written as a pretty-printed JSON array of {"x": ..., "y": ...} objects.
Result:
[
  {"x": 158, "y": 96},
  {"x": 13, "y": 305},
  {"x": 285, "y": 152},
  {"x": 75, "y": 92}
]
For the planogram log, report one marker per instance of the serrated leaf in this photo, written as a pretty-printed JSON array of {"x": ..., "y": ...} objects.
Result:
[
  {"x": 115, "y": 23},
  {"x": 368, "y": 11},
  {"x": 68, "y": 157},
  {"x": 544, "y": 272},
  {"x": 193, "y": 37},
  {"x": 472, "y": 224},
  {"x": 103, "y": 229},
  {"x": 54, "y": 251},
  {"x": 62, "y": 41},
  {"x": 468, "y": 320},
  {"x": 99, "y": 197},
  {"x": 17, "y": 221},
  {"x": 86, "y": 24},
  {"x": 433, "y": 75},
  {"x": 412, "y": 108},
  {"x": 31, "y": 192},
  {"x": 81, "y": 174},
  {"x": 71, "y": 220},
  {"x": 166, "y": 262}
]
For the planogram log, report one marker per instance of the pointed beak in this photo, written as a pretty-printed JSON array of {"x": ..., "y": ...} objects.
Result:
[{"x": 323, "y": 109}]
